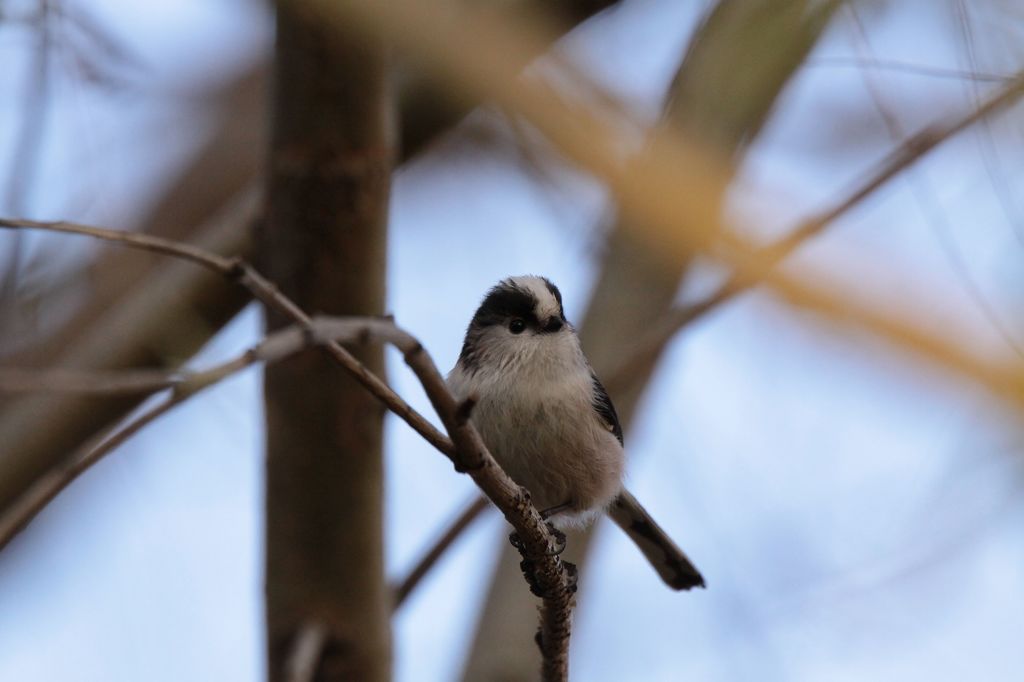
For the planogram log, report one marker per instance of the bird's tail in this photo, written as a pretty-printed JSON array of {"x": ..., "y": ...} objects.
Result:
[{"x": 671, "y": 563}]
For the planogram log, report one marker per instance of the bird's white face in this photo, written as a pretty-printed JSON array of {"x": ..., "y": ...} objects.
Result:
[
  {"x": 547, "y": 308},
  {"x": 520, "y": 326}
]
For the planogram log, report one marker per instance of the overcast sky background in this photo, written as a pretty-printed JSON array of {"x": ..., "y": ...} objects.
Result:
[{"x": 856, "y": 517}]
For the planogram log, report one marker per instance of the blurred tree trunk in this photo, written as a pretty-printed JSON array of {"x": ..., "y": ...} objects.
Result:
[
  {"x": 737, "y": 64},
  {"x": 323, "y": 243}
]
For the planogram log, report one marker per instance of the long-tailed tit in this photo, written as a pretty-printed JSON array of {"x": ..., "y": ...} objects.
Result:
[{"x": 548, "y": 420}]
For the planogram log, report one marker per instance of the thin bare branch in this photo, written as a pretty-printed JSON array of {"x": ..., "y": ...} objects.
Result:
[
  {"x": 464, "y": 520},
  {"x": 478, "y": 53},
  {"x": 275, "y": 347},
  {"x": 57, "y": 479},
  {"x": 151, "y": 323},
  {"x": 549, "y": 577},
  {"x": 911, "y": 68},
  {"x": 925, "y": 194},
  {"x": 145, "y": 242},
  {"x": 28, "y": 142},
  {"x": 900, "y": 159},
  {"x": 263, "y": 290},
  {"x": 184, "y": 385},
  {"x": 114, "y": 382}
]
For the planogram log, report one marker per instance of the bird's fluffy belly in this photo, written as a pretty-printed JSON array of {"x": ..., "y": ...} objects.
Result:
[{"x": 555, "y": 446}]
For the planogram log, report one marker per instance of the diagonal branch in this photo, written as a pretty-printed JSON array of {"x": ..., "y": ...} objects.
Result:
[
  {"x": 154, "y": 323},
  {"x": 470, "y": 514},
  {"x": 550, "y": 578},
  {"x": 112, "y": 382},
  {"x": 46, "y": 488},
  {"x": 649, "y": 184},
  {"x": 183, "y": 385},
  {"x": 903, "y": 157},
  {"x": 236, "y": 269},
  {"x": 216, "y": 198}
]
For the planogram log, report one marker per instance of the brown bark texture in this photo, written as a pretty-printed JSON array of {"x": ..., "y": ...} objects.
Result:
[{"x": 323, "y": 243}]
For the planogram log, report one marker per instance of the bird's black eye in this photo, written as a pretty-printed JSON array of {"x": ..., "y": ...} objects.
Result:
[{"x": 517, "y": 325}]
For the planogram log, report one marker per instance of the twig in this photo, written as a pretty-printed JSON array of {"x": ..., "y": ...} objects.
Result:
[
  {"x": 145, "y": 242},
  {"x": 238, "y": 270},
  {"x": 32, "y": 501},
  {"x": 476, "y": 54},
  {"x": 550, "y": 578},
  {"x": 925, "y": 193},
  {"x": 909, "y": 68},
  {"x": 470, "y": 514},
  {"x": 553, "y": 637},
  {"x": 28, "y": 141},
  {"x": 901, "y": 158},
  {"x": 114, "y": 382},
  {"x": 273, "y": 348},
  {"x": 49, "y": 486}
]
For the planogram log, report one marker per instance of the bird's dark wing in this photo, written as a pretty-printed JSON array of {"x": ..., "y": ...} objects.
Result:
[{"x": 604, "y": 408}]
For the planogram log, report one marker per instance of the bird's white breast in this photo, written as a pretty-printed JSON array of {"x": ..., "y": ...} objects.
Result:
[{"x": 537, "y": 418}]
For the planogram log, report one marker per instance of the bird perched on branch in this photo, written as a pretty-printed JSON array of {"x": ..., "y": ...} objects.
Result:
[{"x": 548, "y": 421}]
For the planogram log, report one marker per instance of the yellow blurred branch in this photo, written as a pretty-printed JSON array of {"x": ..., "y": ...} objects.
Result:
[
  {"x": 902, "y": 157},
  {"x": 673, "y": 182}
]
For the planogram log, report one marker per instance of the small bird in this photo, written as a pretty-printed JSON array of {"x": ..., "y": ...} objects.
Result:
[{"x": 549, "y": 422}]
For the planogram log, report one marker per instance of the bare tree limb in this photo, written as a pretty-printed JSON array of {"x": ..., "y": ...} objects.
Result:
[
  {"x": 911, "y": 68},
  {"x": 237, "y": 270},
  {"x": 647, "y": 186},
  {"x": 155, "y": 323},
  {"x": 903, "y": 157},
  {"x": 45, "y": 489},
  {"x": 217, "y": 187},
  {"x": 184, "y": 386},
  {"x": 112, "y": 382},
  {"x": 143, "y": 242},
  {"x": 464, "y": 520},
  {"x": 276, "y": 346},
  {"x": 463, "y": 445}
]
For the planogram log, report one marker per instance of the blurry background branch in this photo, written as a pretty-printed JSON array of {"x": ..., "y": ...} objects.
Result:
[
  {"x": 652, "y": 342},
  {"x": 184, "y": 385},
  {"x": 214, "y": 201},
  {"x": 646, "y": 185},
  {"x": 463, "y": 444},
  {"x": 45, "y": 489},
  {"x": 723, "y": 91},
  {"x": 430, "y": 558},
  {"x": 744, "y": 483},
  {"x": 176, "y": 308}
]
